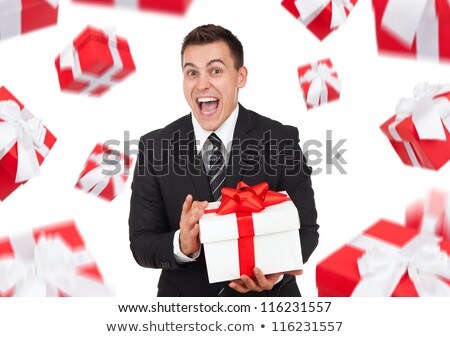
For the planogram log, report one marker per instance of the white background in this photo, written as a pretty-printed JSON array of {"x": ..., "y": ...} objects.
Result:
[{"x": 376, "y": 185}]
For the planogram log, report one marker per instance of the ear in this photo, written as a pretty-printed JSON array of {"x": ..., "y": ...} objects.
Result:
[{"x": 243, "y": 72}]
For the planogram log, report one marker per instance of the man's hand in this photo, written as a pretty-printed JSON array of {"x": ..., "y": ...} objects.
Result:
[
  {"x": 191, "y": 212},
  {"x": 260, "y": 283}
]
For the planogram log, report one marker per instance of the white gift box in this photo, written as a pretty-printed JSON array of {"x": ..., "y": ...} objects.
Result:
[{"x": 276, "y": 241}]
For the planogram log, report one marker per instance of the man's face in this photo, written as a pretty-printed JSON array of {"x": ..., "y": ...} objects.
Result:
[{"x": 211, "y": 83}]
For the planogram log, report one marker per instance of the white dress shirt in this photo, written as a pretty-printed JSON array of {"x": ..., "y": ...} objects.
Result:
[{"x": 225, "y": 132}]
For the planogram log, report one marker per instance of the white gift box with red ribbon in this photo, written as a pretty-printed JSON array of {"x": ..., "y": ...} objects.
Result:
[
  {"x": 21, "y": 16},
  {"x": 235, "y": 243}
]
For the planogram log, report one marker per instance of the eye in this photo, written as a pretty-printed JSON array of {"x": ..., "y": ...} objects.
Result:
[
  {"x": 216, "y": 71},
  {"x": 191, "y": 73}
]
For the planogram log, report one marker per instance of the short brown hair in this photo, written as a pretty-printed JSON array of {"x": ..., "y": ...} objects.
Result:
[{"x": 211, "y": 33}]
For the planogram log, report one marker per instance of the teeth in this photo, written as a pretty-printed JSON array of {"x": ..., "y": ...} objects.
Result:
[{"x": 206, "y": 99}]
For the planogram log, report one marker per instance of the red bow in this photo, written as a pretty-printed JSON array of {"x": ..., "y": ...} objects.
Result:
[{"x": 244, "y": 198}]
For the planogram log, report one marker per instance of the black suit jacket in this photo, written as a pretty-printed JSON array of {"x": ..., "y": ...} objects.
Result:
[{"x": 169, "y": 168}]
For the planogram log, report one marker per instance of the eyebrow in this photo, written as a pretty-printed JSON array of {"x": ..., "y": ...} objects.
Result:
[{"x": 189, "y": 64}]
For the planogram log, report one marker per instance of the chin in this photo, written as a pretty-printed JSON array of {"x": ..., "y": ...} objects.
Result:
[{"x": 209, "y": 125}]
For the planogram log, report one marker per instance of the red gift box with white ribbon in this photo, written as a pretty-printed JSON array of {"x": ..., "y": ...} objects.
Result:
[
  {"x": 321, "y": 17},
  {"x": 430, "y": 214},
  {"x": 24, "y": 143},
  {"x": 96, "y": 61},
  {"x": 416, "y": 29},
  {"x": 319, "y": 83},
  {"x": 105, "y": 173},
  {"x": 166, "y": 6},
  {"x": 388, "y": 259},
  {"x": 420, "y": 130},
  {"x": 49, "y": 261},
  {"x": 22, "y": 16},
  {"x": 250, "y": 227}
]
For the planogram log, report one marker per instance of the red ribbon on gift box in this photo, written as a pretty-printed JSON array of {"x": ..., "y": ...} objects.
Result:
[{"x": 245, "y": 200}]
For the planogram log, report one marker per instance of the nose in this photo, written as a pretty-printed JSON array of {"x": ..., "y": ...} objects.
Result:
[{"x": 203, "y": 82}]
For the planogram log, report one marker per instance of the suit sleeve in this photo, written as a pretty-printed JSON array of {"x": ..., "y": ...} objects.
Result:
[
  {"x": 296, "y": 180},
  {"x": 151, "y": 239}
]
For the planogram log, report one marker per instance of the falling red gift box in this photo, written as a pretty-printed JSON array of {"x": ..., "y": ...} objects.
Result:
[
  {"x": 49, "y": 261},
  {"x": 22, "y": 16},
  {"x": 166, "y": 6},
  {"x": 319, "y": 83},
  {"x": 418, "y": 29},
  {"x": 388, "y": 259},
  {"x": 250, "y": 227},
  {"x": 431, "y": 214},
  {"x": 96, "y": 61},
  {"x": 24, "y": 143},
  {"x": 321, "y": 17},
  {"x": 105, "y": 173},
  {"x": 419, "y": 132}
]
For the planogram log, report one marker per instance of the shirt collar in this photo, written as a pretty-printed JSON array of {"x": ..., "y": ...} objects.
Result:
[{"x": 224, "y": 132}]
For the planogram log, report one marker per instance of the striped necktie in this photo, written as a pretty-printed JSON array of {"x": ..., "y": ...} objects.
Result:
[{"x": 216, "y": 173}]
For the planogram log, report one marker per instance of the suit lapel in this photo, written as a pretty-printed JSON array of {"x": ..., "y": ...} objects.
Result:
[
  {"x": 195, "y": 167},
  {"x": 240, "y": 142}
]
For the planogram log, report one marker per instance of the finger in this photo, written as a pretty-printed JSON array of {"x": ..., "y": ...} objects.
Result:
[
  {"x": 198, "y": 206},
  {"x": 200, "y": 212},
  {"x": 275, "y": 275},
  {"x": 193, "y": 219},
  {"x": 194, "y": 206},
  {"x": 294, "y": 272},
  {"x": 196, "y": 214},
  {"x": 250, "y": 284},
  {"x": 238, "y": 281},
  {"x": 186, "y": 205},
  {"x": 195, "y": 230},
  {"x": 193, "y": 209},
  {"x": 240, "y": 287},
  {"x": 261, "y": 279},
  {"x": 264, "y": 282}
]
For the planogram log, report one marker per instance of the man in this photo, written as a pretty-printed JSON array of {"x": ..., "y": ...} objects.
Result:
[{"x": 184, "y": 165}]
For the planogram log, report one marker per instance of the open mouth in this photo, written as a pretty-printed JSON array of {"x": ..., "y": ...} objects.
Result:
[{"x": 208, "y": 105}]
